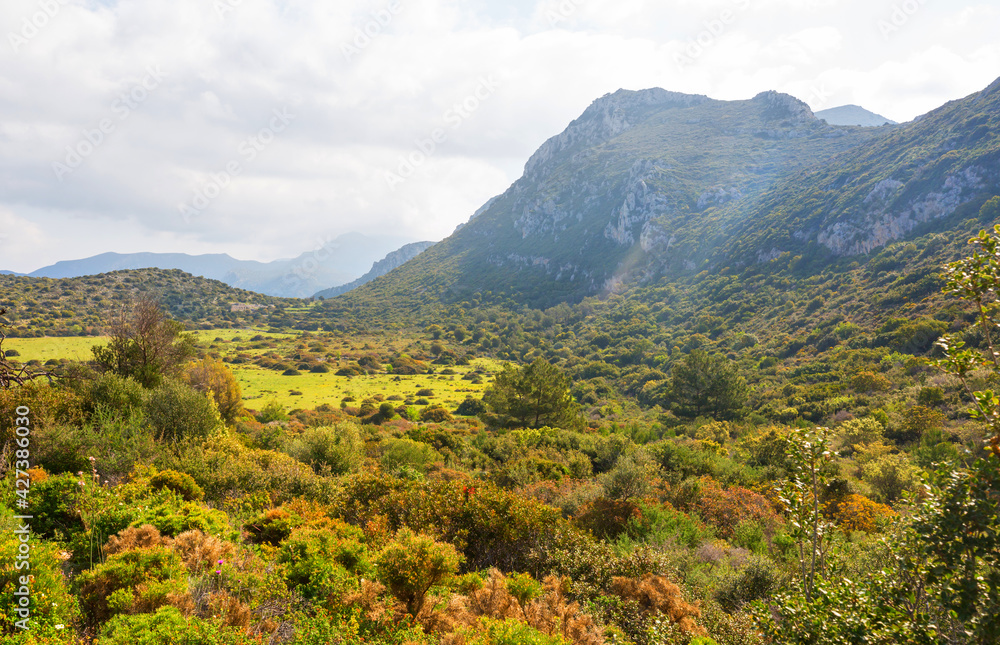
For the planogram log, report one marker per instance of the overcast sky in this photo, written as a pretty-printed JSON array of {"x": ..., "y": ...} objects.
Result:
[{"x": 263, "y": 128}]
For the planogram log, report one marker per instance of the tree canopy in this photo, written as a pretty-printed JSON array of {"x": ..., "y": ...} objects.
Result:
[{"x": 532, "y": 396}]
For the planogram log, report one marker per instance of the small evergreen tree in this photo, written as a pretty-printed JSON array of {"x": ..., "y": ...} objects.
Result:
[{"x": 530, "y": 397}]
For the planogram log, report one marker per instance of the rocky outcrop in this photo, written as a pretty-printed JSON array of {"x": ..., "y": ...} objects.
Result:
[
  {"x": 607, "y": 117},
  {"x": 884, "y": 223}
]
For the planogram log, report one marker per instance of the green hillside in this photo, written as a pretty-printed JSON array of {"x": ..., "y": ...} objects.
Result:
[{"x": 85, "y": 305}]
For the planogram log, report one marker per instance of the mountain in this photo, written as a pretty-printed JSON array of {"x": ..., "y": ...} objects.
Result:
[
  {"x": 585, "y": 206},
  {"x": 853, "y": 115},
  {"x": 653, "y": 184},
  {"x": 336, "y": 262},
  {"x": 929, "y": 174},
  {"x": 394, "y": 260}
]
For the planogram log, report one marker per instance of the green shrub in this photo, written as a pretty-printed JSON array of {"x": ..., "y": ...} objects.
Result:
[
  {"x": 435, "y": 414},
  {"x": 49, "y": 601},
  {"x": 412, "y": 564},
  {"x": 663, "y": 524},
  {"x": 168, "y": 627},
  {"x": 335, "y": 449},
  {"x": 175, "y": 412},
  {"x": 757, "y": 580},
  {"x": 471, "y": 407},
  {"x": 122, "y": 395},
  {"x": 173, "y": 519},
  {"x": 322, "y": 563},
  {"x": 135, "y": 581},
  {"x": 397, "y": 453},
  {"x": 180, "y": 483}
]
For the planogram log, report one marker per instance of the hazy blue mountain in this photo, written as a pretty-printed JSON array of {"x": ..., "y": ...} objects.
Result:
[
  {"x": 853, "y": 115},
  {"x": 337, "y": 262},
  {"x": 392, "y": 261}
]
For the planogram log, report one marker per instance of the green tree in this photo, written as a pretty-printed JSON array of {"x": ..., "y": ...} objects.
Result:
[
  {"x": 414, "y": 563},
  {"x": 530, "y": 397},
  {"x": 702, "y": 384},
  {"x": 145, "y": 344},
  {"x": 211, "y": 376}
]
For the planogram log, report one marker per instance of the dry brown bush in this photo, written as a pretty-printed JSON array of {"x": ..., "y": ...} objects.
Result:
[
  {"x": 135, "y": 537},
  {"x": 656, "y": 593},
  {"x": 553, "y": 613},
  {"x": 200, "y": 551}
]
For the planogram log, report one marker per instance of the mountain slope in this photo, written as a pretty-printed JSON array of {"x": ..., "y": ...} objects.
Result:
[
  {"x": 932, "y": 172},
  {"x": 395, "y": 259},
  {"x": 582, "y": 210},
  {"x": 853, "y": 115}
]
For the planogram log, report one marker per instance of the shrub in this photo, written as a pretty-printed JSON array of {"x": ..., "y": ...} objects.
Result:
[
  {"x": 397, "y": 453},
  {"x": 412, "y": 564},
  {"x": 425, "y": 392},
  {"x": 607, "y": 518},
  {"x": 131, "y": 582},
  {"x": 173, "y": 519},
  {"x": 176, "y": 411},
  {"x": 168, "y": 626},
  {"x": 855, "y": 512},
  {"x": 657, "y": 594},
  {"x": 630, "y": 478},
  {"x": 322, "y": 562},
  {"x": 435, "y": 414},
  {"x": 727, "y": 508},
  {"x": 867, "y": 381},
  {"x": 855, "y": 431},
  {"x": 335, "y": 449},
  {"x": 662, "y": 524},
  {"x": 181, "y": 483},
  {"x": 119, "y": 394},
  {"x": 471, "y": 407},
  {"x": 210, "y": 376},
  {"x": 273, "y": 411},
  {"x": 49, "y": 602},
  {"x": 757, "y": 580},
  {"x": 889, "y": 475}
]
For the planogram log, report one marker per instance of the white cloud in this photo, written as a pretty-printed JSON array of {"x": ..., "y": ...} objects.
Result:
[{"x": 365, "y": 83}]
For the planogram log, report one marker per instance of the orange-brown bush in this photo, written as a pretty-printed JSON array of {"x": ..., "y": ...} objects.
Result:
[
  {"x": 858, "y": 513},
  {"x": 726, "y": 508},
  {"x": 657, "y": 594},
  {"x": 552, "y": 613}
]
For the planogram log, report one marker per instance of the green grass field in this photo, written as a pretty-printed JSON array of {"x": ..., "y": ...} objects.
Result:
[
  {"x": 307, "y": 390},
  {"x": 74, "y": 348},
  {"x": 261, "y": 386}
]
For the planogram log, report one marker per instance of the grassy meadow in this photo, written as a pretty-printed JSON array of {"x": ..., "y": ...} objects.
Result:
[{"x": 306, "y": 390}]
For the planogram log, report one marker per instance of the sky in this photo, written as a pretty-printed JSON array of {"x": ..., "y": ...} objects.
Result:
[{"x": 265, "y": 128}]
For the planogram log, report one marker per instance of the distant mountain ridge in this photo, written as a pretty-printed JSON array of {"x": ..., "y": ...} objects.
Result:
[
  {"x": 337, "y": 262},
  {"x": 392, "y": 261},
  {"x": 853, "y": 115}
]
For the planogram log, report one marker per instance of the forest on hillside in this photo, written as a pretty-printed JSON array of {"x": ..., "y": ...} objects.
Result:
[{"x": 775, "y": 455}]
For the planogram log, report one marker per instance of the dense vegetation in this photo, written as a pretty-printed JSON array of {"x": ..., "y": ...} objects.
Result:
[{"x": 645, "y": 471}]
